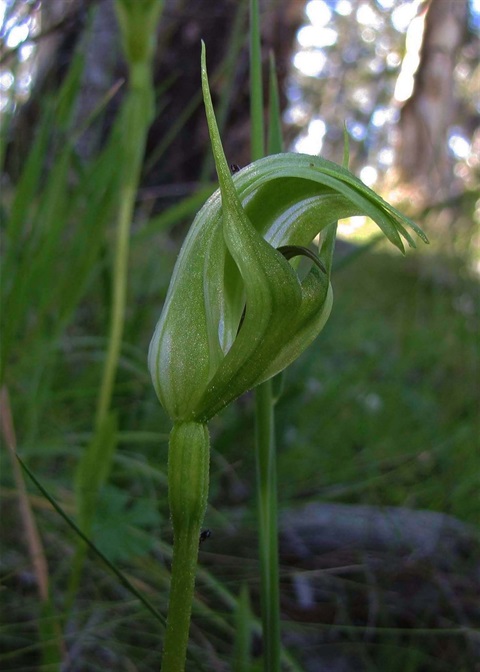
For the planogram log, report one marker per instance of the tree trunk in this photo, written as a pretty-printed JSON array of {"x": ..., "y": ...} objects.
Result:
[
  {"x": 180, "y": 127},
  {"x": 425, "y": 119}
]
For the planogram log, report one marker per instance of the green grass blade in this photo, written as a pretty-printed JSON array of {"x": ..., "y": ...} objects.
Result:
[
  {"x": 275, "y": 146},
  {"x": 68, "y": 94},
  {"x": 242, "y": 661},
  {"x": 114, "y": 570},
  {"x": 176, "y": 213},
  {"x": 26, "y": 188},
  {"x": 257, "y": 134},
  {"x": 268, "y": 524},
  {"x": 227, "y": 71},
  {"x": 93, "y": 470},
  {"x": 50, "y": 637},
  {"x": 346, "y": 148},
  {"x": 275, "y": 138}
]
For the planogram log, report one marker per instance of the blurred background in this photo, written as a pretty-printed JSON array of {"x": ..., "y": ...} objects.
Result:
[{"x": 378, "y": 421}]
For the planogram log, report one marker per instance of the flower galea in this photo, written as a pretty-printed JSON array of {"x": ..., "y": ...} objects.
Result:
[{"x": 236, "y": 312}]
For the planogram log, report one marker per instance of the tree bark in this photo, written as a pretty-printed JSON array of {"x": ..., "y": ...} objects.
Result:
[
  {"x": 423, "y": 155},
  {"x": 177, "y": 76}
]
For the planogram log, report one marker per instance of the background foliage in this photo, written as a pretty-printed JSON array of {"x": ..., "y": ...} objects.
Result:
[{"x": 382, "y": 410}]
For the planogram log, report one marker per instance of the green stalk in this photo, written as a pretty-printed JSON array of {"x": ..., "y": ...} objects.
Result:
[
  {"x": 184, "y": 561},
  {"x": 257, "y": 134},
  {"x": 188, "y": 473},
  {"x": 265, "y": 449},
  {"x": 268, "y": 527}
]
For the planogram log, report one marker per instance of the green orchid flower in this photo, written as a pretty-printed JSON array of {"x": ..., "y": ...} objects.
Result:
[{"x": 237, "y": 313}]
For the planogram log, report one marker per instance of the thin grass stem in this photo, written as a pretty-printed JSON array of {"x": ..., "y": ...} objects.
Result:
[{"x": 268, "y": 527}]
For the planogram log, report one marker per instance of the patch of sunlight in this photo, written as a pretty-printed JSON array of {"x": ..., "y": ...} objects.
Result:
[
  {"x": 386, "y": 156},
  {"x": 459, "y": 145},
  {"x": 310, "y": 63},
  {"x": 386, "y": 4},
  {"x": 6, "y": 81},
  {"x": 25, "y": 52},
  {"x": 318, "y": 12},
  {"x": 369, "y": 175},
  {"x": 474, "y": 18},
  {"x": 393, "y": 59},
  {"x": 358, "y": 230},
  {"x": 17, "y": 35},
  {"x": 404, "y": 14},
  {"x": 411, "y": 60},
  {"x": 368, "y": 35},
  {"x": 364, "y": 99},
  {"x": 384, "y": 115},
  {"x": 297, "y": 114},
  {"x": 366, "y": 16},
  {"x": 312, "y": 142},
  {"x": 311, "y": 36},
  {"x": 357, "y": 130},
  {"x": 344, "y": 7}
]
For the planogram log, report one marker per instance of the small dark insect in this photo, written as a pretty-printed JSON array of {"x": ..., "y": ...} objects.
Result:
[
  {"x": 234, "y": 168},
  {"x": 206, "y": 534}
]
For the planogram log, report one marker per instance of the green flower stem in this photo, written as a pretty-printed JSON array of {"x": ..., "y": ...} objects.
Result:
[
  {"x": 265, "y": 453},
  {"x": 188, "y": 469},
  {"x": 268, "y": 527}
]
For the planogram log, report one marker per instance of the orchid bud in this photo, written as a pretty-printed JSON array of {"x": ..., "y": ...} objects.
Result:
[{"x": 236, "y": 312}]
